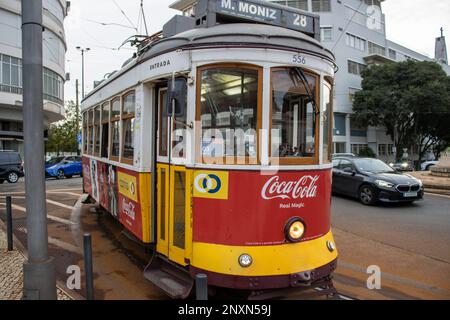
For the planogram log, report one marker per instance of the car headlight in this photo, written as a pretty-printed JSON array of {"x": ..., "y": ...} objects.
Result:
[
  {"x": 405, "y": 165},
  {"x": 384, "y": 184},
  {"x": 295, "y": 229}
]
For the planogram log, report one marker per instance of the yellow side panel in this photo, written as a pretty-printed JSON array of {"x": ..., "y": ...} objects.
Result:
[
  {"x": 267, "y": 260},
  {"x": 145, "y": 182}
]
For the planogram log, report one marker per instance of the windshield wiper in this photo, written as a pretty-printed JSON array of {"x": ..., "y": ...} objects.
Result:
[{"x": 302, "y": 76}]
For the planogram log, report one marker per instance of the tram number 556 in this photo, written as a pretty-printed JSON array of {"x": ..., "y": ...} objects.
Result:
[
  {"x": 300, "y": 20},
  {"x": 299, "y": 59}
]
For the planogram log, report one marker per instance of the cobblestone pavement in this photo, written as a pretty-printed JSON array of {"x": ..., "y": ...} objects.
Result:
[{"x": 11, "y": 264}]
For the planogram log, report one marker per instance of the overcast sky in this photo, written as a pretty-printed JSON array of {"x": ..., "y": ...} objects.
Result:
[{"x": 412, "y": 23}]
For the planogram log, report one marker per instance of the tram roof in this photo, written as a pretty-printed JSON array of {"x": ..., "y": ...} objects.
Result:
[{"x": 239, "y": 35}]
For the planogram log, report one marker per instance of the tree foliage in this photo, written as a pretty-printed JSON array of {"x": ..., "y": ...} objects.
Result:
[
  {"x": 63, "y": 134},
  {"x": 411, "y": 100}
]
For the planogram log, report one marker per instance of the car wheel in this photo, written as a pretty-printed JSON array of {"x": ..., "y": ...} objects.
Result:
[
  {"x": 367, "y": 195},
  {"x": 61, "y": 174},
  {"x": 13, "y": 177}
]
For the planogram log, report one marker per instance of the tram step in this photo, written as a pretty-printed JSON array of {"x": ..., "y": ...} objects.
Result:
[{"x": 173, "y": 280}]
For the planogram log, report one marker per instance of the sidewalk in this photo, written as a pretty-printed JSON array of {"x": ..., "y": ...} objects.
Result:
[
  {"x": 11, "y": 277},
  {"x": 433, "y": 184}
]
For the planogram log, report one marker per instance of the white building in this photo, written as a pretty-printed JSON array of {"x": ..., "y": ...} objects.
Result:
[
  {"x": 54, "y": 50},
  {"x": 355, "y": 31}
]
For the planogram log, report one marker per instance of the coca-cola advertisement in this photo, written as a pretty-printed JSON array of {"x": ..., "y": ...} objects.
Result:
[{"x": 259, "y": 206}]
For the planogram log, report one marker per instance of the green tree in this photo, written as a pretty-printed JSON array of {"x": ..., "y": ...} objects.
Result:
[
  {"x": 410, "y": 99},
  {"x": 63, "y": 134}
]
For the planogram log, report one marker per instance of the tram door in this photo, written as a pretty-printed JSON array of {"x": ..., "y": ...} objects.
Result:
[{"x": 173, "y": 198}]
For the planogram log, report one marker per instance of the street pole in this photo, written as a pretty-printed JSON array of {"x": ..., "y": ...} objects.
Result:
[
  {"x": 82, "y": 74},
  {"x": 77, "y": 114},
  {"x": 83, "y": 50},
  {"x": 39, "y": 281}
]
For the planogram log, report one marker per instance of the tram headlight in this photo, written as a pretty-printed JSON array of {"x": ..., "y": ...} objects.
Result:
[
  {"x": 295, "y": 229},
  {"x": 245, "y": 260}
]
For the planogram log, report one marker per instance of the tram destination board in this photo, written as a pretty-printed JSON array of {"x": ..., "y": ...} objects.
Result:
[{"x": 258, "y": 11}]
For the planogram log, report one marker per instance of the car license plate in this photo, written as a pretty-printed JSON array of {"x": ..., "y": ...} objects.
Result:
[{"x": 410, "y": 195}]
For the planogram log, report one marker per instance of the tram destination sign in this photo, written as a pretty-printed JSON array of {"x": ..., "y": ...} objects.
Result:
[{"x": 264, "y": 12}]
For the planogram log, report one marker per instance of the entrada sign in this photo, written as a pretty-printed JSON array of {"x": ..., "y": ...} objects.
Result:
[{"x": 269, "y": 13}]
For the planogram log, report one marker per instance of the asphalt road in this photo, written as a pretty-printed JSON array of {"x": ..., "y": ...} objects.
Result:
[{"x": 410, "y": 244}]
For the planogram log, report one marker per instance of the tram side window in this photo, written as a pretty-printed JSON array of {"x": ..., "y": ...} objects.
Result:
[
  {"x": 85, "y": 132},
  {"x": 129, "y": 107},
  {"x": 327, "y": 117},
  {"x": 91, "y": 132},
  {"x": 97, "y": 127},
  {"x": 293, "y": 120},
  {"x": 229, "y": 114},
  {"x": 105, "y": 130},
  {"x": 115, "y": 130}
]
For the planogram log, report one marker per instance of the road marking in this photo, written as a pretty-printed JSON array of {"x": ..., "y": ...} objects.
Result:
[
  {"x": 50, "y": 217},
  {"x": 58, "y": 243},
  {"x": 65, "y": 192},
  {"x": 59, "y": 204}
]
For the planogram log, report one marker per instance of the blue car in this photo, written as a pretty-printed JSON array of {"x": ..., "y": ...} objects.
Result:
[{"x": 64, "y": 167}]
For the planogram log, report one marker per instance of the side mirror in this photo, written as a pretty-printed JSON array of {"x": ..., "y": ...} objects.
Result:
[{"x": 176, "y": 97}]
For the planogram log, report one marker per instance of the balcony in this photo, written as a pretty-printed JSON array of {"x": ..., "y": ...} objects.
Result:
[{"x": 377, "y": 56}]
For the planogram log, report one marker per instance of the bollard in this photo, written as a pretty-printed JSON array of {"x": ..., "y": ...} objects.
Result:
[
  {"x": 88, "y": 267},
  {"x": 201, "y": 287},
  {"x": 9, "y": 224}
]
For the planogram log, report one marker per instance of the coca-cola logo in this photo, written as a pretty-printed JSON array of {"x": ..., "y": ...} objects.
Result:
[
  {"x": 305, "y": 187},
  {"x": 128, "y": 208}
]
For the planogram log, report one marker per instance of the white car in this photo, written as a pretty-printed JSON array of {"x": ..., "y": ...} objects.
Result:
[{"x": 426, "y": 166}]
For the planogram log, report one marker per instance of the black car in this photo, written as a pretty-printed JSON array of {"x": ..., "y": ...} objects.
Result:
[
  {"x": 11, "y": 167},
  {"x": 372, "y": 181}
]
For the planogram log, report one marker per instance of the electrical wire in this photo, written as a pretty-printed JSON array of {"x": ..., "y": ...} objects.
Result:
[{"x": 125, "y": 15}]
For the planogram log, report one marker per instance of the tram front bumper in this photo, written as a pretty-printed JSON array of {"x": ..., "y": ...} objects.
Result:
[{"x": 274, "y": 267}]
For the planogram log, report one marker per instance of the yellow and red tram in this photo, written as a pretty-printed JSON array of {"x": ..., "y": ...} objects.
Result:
[{"x": 214, "y": 146}]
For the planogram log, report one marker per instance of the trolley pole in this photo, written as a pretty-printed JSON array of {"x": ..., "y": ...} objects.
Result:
[{"x": 38, "y": 271}]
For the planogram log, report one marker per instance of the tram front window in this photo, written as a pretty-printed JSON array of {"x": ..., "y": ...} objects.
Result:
[
  {"x": 229, "y": 113},
  {"x": 293, "y": 122}
]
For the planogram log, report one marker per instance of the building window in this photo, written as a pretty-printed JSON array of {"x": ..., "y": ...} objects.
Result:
[
  {"x": 326, "y": 34},
  {"x": 229, "y": 107},
  {"x": 340, "y": 125},
  {"x": 351, "y": 94},
  {"x": 376, "y": 49},
  {"x": 373, "y": 3},
  {"x": 321, "y": 5},
  {"x": 357, "y": 148},
  {"x": 357, "y": 131},
  {"x": 382, "y": 150},
  {"x": 293, "y": 131},
  {"x": 355, "y": 67},
  {"x": 115, "y": 130},
  {"x": 189, "y": 11},
  {"x": 299, "y": 4},
  {"x": 355, "y": 42},
  {"x": 392, "y": 54},
  {"x": 105, "y": 130},
  {"x": 11, "y": 80},
  {"x": 128, "y": 114}
]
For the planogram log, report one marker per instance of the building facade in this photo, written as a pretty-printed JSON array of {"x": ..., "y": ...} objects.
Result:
[
  {"x": 54, "y": 51},
  {"x": 355, "y": 31}
]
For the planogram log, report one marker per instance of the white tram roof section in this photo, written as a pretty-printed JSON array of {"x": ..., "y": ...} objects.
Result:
[{"x": 234, "y": 35}]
